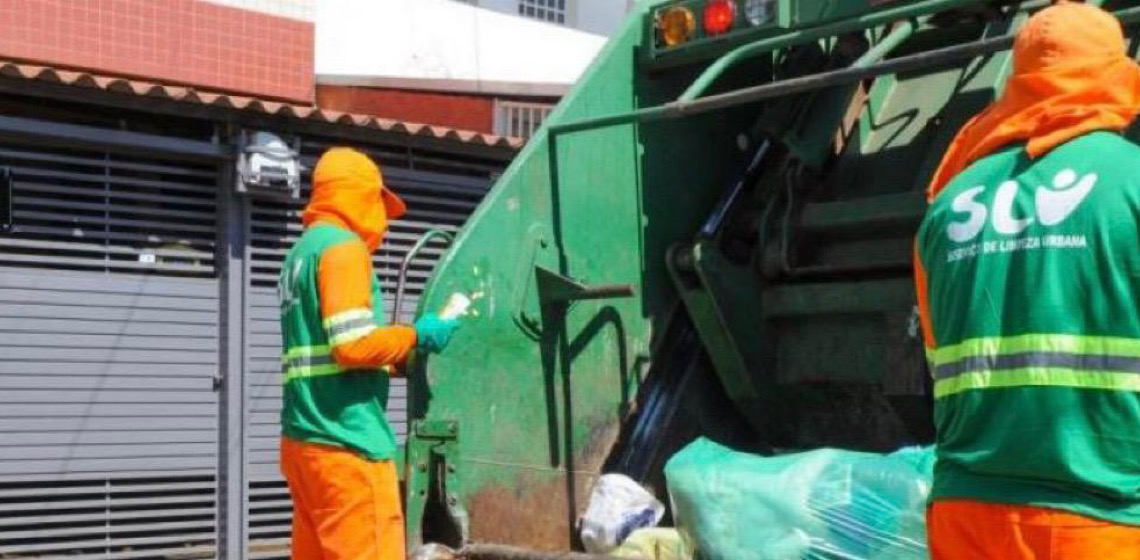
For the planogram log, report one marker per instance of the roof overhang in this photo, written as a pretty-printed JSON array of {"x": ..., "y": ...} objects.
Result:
[
  {"x": 73, "y": 86},
  {"x": 521, "y": 89}
]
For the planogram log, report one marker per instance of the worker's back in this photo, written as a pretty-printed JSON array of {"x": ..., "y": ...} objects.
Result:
[{"x": 1034, "y": 308}]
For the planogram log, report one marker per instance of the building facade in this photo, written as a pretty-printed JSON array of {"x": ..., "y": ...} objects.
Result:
[
  {"x": 495, "y": 66},
  {"x": 600, "y": 17},
  {"x": 140, "y": 377},
  {"x": 262, "y": 48}
]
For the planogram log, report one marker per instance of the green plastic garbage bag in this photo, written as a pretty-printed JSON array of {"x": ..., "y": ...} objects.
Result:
[{"x": 826, "y": 504}]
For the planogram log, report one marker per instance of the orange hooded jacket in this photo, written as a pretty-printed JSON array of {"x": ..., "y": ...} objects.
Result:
[
  {"x": 349, "y": 192},
  {"x": 1071, "y": 76}
]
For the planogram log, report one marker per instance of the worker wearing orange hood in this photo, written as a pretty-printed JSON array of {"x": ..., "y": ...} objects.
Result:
[
  {"x": 1028, "y": 279},
  {"x": 337, "y": 449}
]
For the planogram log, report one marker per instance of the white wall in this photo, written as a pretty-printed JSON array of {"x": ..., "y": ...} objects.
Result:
[
  {"x": 600, "y": 16},
  {"x": 443, "y": 45},
  {"x": 505, "y": 6},
  {"x": 304, "y": 10}
]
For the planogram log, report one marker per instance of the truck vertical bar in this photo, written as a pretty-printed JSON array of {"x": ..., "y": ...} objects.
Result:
[{"x": 233, "y": 264}]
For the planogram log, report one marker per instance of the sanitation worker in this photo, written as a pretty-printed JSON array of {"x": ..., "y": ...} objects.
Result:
[
  {"x": 1028, "y": 280},
  {"x": 337, "y": 449}
]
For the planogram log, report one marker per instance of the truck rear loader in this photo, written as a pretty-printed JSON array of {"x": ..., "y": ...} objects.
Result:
[{"x": 712, "y": 236}]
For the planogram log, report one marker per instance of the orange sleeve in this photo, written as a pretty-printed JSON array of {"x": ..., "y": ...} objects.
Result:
[
  {"x": 344, "y": 279},
  {"x": 920, "y": 291}
]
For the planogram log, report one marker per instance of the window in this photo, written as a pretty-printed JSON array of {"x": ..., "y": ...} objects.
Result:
[
  {"x": 521, "y": 120},
  {"x": 545, "y": 10}
]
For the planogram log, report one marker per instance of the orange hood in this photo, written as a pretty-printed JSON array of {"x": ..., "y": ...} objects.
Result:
[
  {"x": 1071, "y": 75},
  {"x": 349, "y": 191}
]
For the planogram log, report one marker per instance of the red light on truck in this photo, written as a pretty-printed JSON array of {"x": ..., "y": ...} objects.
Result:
[{"x": 720, "y": 16}]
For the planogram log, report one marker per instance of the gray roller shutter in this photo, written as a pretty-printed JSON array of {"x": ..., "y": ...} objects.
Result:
[
  {"x": 435, "y": 200},
  {"x": 108, "y": 353}
]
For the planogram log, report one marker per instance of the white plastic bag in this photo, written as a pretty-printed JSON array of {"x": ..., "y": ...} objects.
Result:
[{"x": 618, "y": 507}]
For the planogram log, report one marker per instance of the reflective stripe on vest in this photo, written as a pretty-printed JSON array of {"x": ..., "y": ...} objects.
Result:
[
  {"x": 1082, "y": 362},
  {"x": 314, "y": 361},
  {"x": 349, "y": 326}
]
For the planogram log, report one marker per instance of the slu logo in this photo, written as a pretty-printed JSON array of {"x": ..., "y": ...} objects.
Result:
[{"x": 1052, "y": 204}]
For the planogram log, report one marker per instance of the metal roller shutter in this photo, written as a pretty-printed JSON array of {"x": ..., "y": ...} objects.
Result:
[
  {"x": 435, "y": 200},
  {"x": 108, "y": 354}
]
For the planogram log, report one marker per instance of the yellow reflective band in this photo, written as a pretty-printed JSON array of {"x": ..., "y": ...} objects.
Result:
[
  {"x": 305, "y": 362},
  {"x": 349, "y": 326},
  {"x": 302, "y": 372},
  {"x": 1039, "y": 343},
  {"x": 299, "y": 351},
  {"x": 1040, "y": 377},
  {"x": 307, "y": 372},
  {"x": 348, "y": 316},
  {"x": 344, "y": 337}
]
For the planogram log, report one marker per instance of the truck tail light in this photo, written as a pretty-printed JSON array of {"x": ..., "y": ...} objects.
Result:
[
  {"x": 720, "y": 16},
  {"x": 675, "y": 26}
]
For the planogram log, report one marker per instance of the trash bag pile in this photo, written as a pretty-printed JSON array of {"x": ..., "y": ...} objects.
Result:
[
  {"x": 826, "y": 504},
  {"x": 818, "y": 505}
]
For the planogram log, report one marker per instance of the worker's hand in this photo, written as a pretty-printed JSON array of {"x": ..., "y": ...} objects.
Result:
[{"x": 433, "y": 333}]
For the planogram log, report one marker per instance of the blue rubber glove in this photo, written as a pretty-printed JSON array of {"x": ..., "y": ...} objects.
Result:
[{"x": 433, "y": 333}]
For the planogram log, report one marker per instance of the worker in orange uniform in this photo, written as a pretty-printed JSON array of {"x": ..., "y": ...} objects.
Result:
[
  {"x": 1028, "y": 280},
  {"x": 337, "y": 449}
]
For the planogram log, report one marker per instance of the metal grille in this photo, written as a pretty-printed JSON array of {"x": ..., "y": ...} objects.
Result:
[
  {"x": 520, "y": 120},
  {"x": 101, "y": 374},
  {"x": 545, "y": 10},
  {"x": 435, "y": 200},
  {"x": 109, "y": 518},
  {"x": 270, "y": 513},
  {"x": 108, "y": 348},
  {"x": 101, "y": 211}
]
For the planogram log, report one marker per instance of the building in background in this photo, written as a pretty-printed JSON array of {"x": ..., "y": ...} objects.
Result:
[
  {"x": 490, "y": 66},
  {"x": 601, "y": 17},
  {"x": 493, "y": 66},
  {"x": 261, "y": 48},
  {"x": 140, "y": 378}
]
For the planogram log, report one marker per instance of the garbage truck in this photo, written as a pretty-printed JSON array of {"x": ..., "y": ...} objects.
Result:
[{"x": 710, "y": 236}]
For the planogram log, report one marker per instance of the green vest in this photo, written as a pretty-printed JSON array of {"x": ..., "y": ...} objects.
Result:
[
  {"x": 322, "y": 402},
  {"x": 1034, "y": 297}
]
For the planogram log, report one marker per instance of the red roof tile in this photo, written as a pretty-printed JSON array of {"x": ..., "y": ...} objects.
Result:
[{"x": 141, "y": 88}]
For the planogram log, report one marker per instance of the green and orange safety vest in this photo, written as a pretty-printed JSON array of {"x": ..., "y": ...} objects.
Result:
[
  {"x": 323, "y": 402},
  {"x": 1032, "y": 306}
]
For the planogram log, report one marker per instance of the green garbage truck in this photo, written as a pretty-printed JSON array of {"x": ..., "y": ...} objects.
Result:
[{"x": 710, "y": 236}]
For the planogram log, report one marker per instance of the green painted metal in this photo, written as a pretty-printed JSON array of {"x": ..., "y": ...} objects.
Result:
[
  {"x": 801, "y": 296},
  {"x": 723, "y": 300},
  {"x": 866, "y": 21},
  {"x": 539, "y": 391},
  {"x": 689, "y": 104},
  {"x": 792, "y": 17}
]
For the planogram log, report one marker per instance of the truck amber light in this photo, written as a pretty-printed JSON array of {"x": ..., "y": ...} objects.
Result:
[
  {"x": 720, "y": 15},
  {"x": 675, "y": 26}
]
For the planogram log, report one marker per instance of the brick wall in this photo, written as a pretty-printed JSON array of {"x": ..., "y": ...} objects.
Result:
[
  {"x": 189, "y": 42},
  {"x": 467, "y": 112}
]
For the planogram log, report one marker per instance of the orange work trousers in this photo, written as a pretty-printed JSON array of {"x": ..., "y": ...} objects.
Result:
[
  {"x": 969, "y": 530},
  {"x": 344, "y": 506}
]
